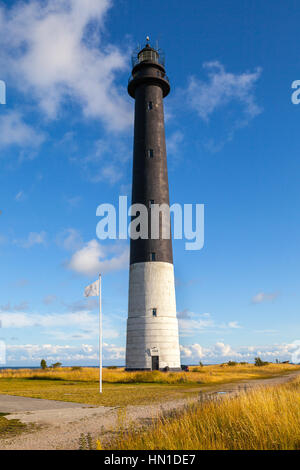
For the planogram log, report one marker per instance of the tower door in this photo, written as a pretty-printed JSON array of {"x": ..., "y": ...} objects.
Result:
[{"x": 155, "y": 362}]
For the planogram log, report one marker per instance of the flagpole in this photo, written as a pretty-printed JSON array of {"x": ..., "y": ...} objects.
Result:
[{"x": 100, "y": 335}]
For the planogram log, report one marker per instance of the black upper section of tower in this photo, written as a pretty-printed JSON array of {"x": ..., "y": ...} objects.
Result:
[
  {"x": 148, "y": 86},
  {"x": 148, "y": 66}
]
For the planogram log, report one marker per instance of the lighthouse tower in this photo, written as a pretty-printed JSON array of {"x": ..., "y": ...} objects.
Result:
[{"x": 152, "y": 326}]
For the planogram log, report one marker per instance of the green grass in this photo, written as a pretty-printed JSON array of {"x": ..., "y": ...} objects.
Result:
[
  {"x": 10, "y": 427},
  {"x": 88, "y": 392},
  {"x": 122, "y": 388}
]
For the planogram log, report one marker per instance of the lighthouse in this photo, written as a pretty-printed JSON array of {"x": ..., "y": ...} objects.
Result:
[{"x": 152, "y": 326}]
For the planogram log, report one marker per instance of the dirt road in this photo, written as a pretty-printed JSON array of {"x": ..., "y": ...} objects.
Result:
[{"x": 63, "y": 423}]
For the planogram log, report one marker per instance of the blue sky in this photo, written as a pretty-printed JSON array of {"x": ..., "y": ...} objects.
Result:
[{"x": 66, "y": 146}]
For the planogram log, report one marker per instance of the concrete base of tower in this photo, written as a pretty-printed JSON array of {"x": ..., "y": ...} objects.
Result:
[{"x": 152, "y": 326}]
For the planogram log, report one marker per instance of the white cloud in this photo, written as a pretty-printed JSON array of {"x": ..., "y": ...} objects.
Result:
[
  {"x": 188, "y": 326},
  {"x": 73, "y": 201},
  {"x": 114, "y": 352},
  {"x": 71, "y": 354},
  {"x": 174, "y": 142},
  {"x": 52, "y": 353},
  {"x": 109, "y": 173},
  {"x": 231, "y": 94},
  {"x": 92, "y": 259},
  {"x": 186, "y": 351},
  {"x": 83, "y": 305},
  {"x": 34, "y": 238},
  {"x": 125, "y": 189},
  {"x": 233, "y": 324},
  {"x": 221, "y": 352},
  {"x": 185, "y": 314},
  {"x": 222, "y": 88},
  {"x": 55, "y": 51},
  {"x": 70, "y": 239},
  {"x": 221, "y": 349},
  {"x": 296, "y": 352},
  {"x": 20, "y": 196},
  {"x": 13, "y": 319},
  {"x": 14, "y": 131},
  {"x": 267, "y": 331},
  {"x": 14, "y": 308},
  {"x": 264, "y": 297},
  {"x": 79, "y": 322},
  {"x": 198, "y": 350},
  {"x": 190, "y": 322},
  {"x": 21, "y": 283},
  {"x": 2, "y": 352},
  {"x": 49, "y": 299},
  {"x": 107, "y": 160}
]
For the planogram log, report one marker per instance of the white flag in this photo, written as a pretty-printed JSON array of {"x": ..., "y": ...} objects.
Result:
[{"x": 92, "y": 290}]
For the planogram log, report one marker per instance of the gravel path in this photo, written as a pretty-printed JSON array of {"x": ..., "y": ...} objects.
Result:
[
  {"x": 15, "y": 404},
  {"x": 63, "y": 423}
]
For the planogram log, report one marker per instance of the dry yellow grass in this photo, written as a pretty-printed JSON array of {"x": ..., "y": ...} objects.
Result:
[
  {"x": 198, "y": 375},
  {"x": 262, "y": 419}
]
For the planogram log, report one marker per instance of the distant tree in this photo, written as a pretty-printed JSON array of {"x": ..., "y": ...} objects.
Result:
[
  {"x": 259, "y": 363},
  {"x": 232, "y": 363},
  {"x": 43, "y": 364},
  {"x": 200, "y": 364},
  {"x": 56, "y": 365}
]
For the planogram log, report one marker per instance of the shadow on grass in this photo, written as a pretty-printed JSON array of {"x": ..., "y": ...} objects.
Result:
[{"x": 45, "y": 377}]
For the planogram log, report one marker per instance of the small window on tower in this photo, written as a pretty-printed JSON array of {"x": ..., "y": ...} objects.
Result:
[
  {"x": 150, "y": 153},
  {"x": 150, "y": 105},
  {"x": 152, "y": 256},
  {"x": 151, "y": 203},
  {"x": 154, "y": 312}
]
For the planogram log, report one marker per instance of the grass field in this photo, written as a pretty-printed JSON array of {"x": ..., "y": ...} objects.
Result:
[
  {"x": 123, "y": 388},
  {"x": 262, "y": 419}
]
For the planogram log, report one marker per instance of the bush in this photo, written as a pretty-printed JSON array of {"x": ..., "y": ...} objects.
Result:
[
  {"x": 56, "y": 365},
  {"x": 76, "y": 368},
  {"x": 259, "y": 363},
  {"x": 231, "y": 363},
  {"x": 112, "y": 367}
]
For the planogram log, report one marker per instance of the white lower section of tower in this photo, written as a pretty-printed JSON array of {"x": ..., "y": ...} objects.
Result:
[{"x": 152, "y": 325}]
